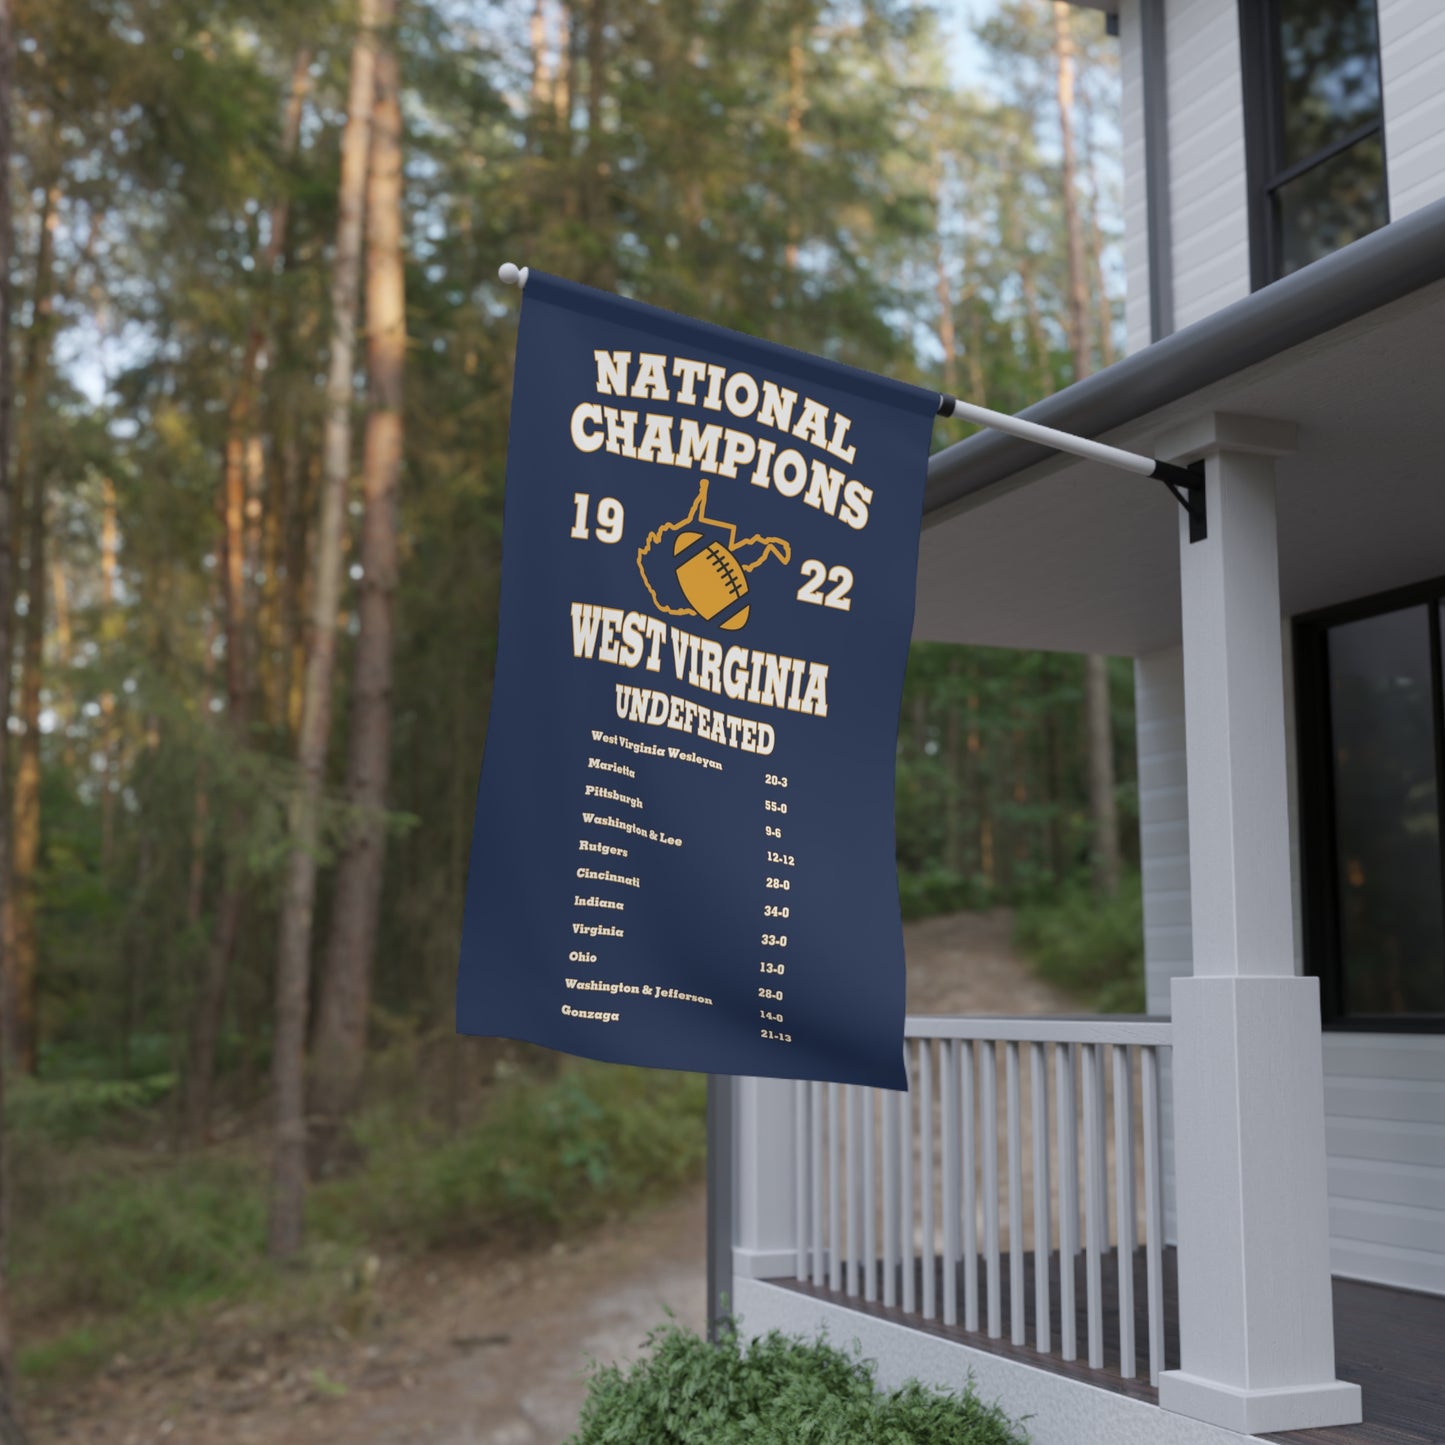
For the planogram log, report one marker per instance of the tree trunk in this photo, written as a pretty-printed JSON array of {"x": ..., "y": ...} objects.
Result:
[
  {"x": 340, "y": 1045},
  {"x": 64, "y": 705},
  {"x": 30, "y": 486},
  {"x": 210, "y": 1001},
  {"x": 1102, "y": 807},
  {"x": 595, "y": 180},
  {"x": 293, "y": 962},
  {"x": 797, "y": 103},
  {"x": 1102, "y": 307},
  {"x": 10, "y": 1431},
  {"x": 562, "y": 85},
  {"x": 953, "y": 756},
  {"x": 1078, "y": 295},
  {"x": 542, "y": 79},
  {"x": 1102, "y": 804},
  {"x": 109, "y": 548},
  {"x": 974, "y": 744},
  {"x": 947, "y": 337}
]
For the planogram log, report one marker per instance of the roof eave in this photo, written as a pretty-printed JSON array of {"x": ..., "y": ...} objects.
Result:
[{"x": 1377, "y": 269}]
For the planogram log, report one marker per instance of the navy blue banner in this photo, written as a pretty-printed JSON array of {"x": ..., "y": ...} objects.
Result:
[{"x": 683, "y": 853}]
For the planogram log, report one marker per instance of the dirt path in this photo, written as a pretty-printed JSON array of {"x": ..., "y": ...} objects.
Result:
[
  {"x": 469, "y": 1350},
  {"x": 965, "y": 963}
]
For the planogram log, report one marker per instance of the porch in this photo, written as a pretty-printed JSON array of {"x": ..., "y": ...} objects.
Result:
[
  {"x": 916, "y": 1225},
  {"x": 1388, "y": 1341}
]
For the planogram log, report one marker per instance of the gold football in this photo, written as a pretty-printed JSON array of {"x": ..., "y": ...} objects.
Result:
[{"x": 711, "y": 580}]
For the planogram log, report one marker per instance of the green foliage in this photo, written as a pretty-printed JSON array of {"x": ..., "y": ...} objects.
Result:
[
  {"x": 546, "y": 1156},
  {"x": 80, "y": 1108},
  {"x": 992, "y": 797},
  {"x": 938, "y": 890},
  {"x": 776, "y": 1391},
  {"x": 145, "y": 1238},
  {"x": 807, "y": 173},
  {"x": 1091, "y": 946},
  {"x": 128, "y": 1233}
]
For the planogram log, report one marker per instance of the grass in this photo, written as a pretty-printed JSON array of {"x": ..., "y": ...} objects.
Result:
[
  {"x": 115, "y": 1241},
  {"x": 1089, "y": 946},
  {"x": 777, "y": 1391}
]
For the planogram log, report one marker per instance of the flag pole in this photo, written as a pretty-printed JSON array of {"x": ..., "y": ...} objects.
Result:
[{"x": 1186, "y": 484}]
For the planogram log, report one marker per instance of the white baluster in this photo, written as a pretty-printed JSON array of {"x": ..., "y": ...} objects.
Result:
[
  {"x": 1018, "y": 1326},
  {"x": 835, "y": 1192},
  {"x": 970, "y": 1191},
  {"x": 1093, "y": 1224},
  {"x": 925, "y": 1182},
  {"x": 892, "y": 1169},
  {"x": 948, "y": 1122},
  {"x": 1039, "y": 1096},
  {"x": 870, "y": 1230},
  {"x": 1124, "y": 1199},
  {"x": 1068, "y": 1197},
  {"x": 988, "y": 1124},
  {"x": 800, "y": 1176},
  {"x": 905, "y": 1217},
  {"x": 815, "y": 1129},
  {"x": 1153, "y": 1212}
]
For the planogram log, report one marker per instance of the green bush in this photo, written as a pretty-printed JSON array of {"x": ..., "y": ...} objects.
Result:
[
  {"x": 81, "y": 1108},
  {"x": 1092, "y": 947},
  {"x": 779, "y": 1391},
  {"x": 132, "y": 1235},
  {"x": 596, "y": 1138},
  {"x": 937, "y": 890}
]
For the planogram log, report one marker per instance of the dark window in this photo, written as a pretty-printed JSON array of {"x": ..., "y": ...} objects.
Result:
[
  {"x": 1371, "y": 715},
  {"x": 1314, "y": 129}
]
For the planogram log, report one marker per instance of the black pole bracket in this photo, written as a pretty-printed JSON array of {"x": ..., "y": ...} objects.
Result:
[{"x": 1187, "y": 487}]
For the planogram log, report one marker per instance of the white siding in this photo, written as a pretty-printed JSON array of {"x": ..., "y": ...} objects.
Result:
[
  {"x": 1209, "y": 208},
  {"x": 1412, "y": 56},
  {"x": 1164, "y": 853},
  {"x": 1209, "y": 198},
  {"x": 1136, "y": 214},
  {"x": 1384, "y": 1093},
  {"x": 1385, "y": 1128}
]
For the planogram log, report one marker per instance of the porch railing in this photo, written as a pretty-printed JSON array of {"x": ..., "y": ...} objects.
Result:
[{"x": 900, "y": 1200}]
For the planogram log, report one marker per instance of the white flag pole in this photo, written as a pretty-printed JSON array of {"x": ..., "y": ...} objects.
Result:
[{"x": 1186, "y": 484}]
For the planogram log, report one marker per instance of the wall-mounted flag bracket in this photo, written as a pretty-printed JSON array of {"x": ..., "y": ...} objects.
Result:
[
  {"x": 1187, "y": 486},
  {"x": 1185, "y": 483}
]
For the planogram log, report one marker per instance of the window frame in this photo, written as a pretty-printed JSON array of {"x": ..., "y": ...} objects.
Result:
[
  {"x": 1264, "y": 138},
  {"x": 1314, "y": 775}
]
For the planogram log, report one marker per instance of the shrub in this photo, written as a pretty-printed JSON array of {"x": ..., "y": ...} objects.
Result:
[
  {"x": 777, "y": 1391},
  {"x": 133, "y": 1237},
  {"x": 939, "y": 890},
  {"x": 137, "y": 1236},
  {"x": 1093, "y": 947},
  {"x": 79, "y": 1108},
  {"x": 597, "y": 1138}
]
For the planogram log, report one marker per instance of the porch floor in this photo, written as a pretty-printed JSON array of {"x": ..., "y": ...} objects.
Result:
[{"x": 1390, "y": 1342}]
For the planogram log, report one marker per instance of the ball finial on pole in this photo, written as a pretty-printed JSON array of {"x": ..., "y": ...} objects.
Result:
[{"x": 511, "y": 275}]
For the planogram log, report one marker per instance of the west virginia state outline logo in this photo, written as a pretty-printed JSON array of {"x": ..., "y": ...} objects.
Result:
[{"x": 700, "y": 568}]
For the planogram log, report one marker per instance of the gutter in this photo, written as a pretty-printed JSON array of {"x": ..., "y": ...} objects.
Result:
[{"x": 1382, "y": 267}]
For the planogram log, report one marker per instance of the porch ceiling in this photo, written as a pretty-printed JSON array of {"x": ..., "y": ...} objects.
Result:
[{"x": 1070, "y": 556}]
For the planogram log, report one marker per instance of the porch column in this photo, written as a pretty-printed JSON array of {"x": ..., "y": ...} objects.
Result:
[
  {"x": 764, "y": 1238},
  {"x": 1255, "y": 1323}
]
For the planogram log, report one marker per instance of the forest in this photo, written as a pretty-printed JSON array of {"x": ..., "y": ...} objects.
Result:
[{"x": 253, "y": 429}]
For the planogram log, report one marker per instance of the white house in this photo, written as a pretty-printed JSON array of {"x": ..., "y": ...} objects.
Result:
[{"x": 1247, "y": 1187}]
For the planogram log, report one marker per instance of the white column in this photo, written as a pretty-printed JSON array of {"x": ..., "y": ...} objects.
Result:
[
  {"x": 764, "y": 1242},
  {"x": 1255, "y": 1322}
]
